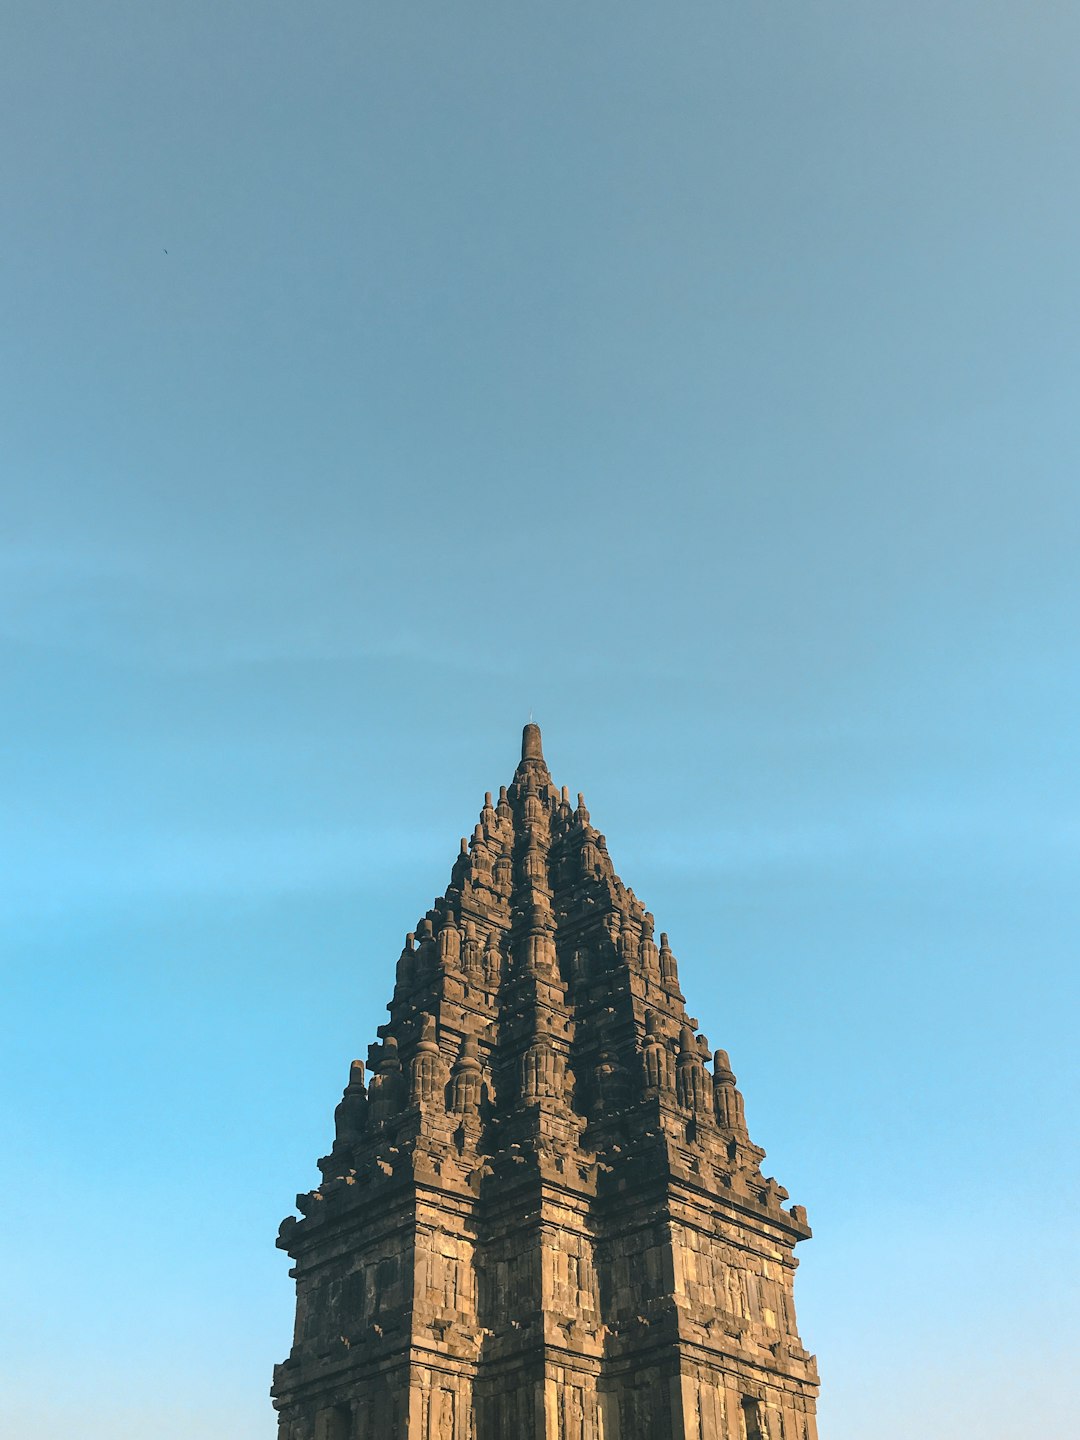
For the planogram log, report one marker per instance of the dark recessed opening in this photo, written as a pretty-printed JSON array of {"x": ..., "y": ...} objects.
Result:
[{"x": 753, "y": 1424}]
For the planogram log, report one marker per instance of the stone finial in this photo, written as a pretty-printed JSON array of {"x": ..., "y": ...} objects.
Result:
[
  {"x": 492, "y": 956},
  {"x": 656, "y": 1056},
  {"x": 406, "y": 965},
  {"x": 625, "y": 941},
  {"x": 489, "y": 822},
  {"x": 385, "y": 1094},
  {"x": 465, "y": 1079},
  {"x": 425, "y": 1064},
  {"x": 471, "y": 961},
  {"x": 647, "y": 951},
  {"x": 727, "y": 1099},
  {"x": 534, "y": 863},
  {"x": 531, "y": 746},
  {"x": 449, "y": 944},
  {"x": 480, "y": 871},
  {"x": 351, "y": 1111},
  {"x": 690, "y": 1077},
  {"x": 541, "y": 1071},
  {"x": 389, "y": 1059},
  {"x": 669, "y": 970}
]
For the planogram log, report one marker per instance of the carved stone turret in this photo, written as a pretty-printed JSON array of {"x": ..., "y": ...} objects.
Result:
[
  {"x": 729, "y": 1102},
  {"x": 426, "y": 1064},
  {"x": 657, "y": 1057},
  {"x": 542, "y": 1217},
  {"x": 466, "y": 1080}
]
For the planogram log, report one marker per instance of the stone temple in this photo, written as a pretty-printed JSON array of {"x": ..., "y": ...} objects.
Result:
[{"x": 542, "y": 1217}]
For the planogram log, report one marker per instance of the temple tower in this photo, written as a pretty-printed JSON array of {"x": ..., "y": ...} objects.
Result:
[{"x": 542, "y": 1217}]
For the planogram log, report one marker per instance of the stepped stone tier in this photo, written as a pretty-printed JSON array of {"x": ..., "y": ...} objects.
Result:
[{"x": 542, "y": 1217}]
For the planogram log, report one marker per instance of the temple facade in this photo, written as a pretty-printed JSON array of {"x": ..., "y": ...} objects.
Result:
[{"x": 542, "y": 1217}]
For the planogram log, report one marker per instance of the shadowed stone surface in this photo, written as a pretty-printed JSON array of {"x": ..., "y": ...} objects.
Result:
[{"x": 542, "y": 1216}]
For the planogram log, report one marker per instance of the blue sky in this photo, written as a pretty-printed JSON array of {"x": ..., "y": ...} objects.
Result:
[{"x": 700, "y": 378}]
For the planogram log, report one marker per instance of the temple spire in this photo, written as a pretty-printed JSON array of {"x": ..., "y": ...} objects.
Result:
[{"x": 542, "y": 1216}]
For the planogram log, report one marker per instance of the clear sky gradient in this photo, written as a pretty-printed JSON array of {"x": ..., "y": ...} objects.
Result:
[{"x": 702, "y": 378}]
